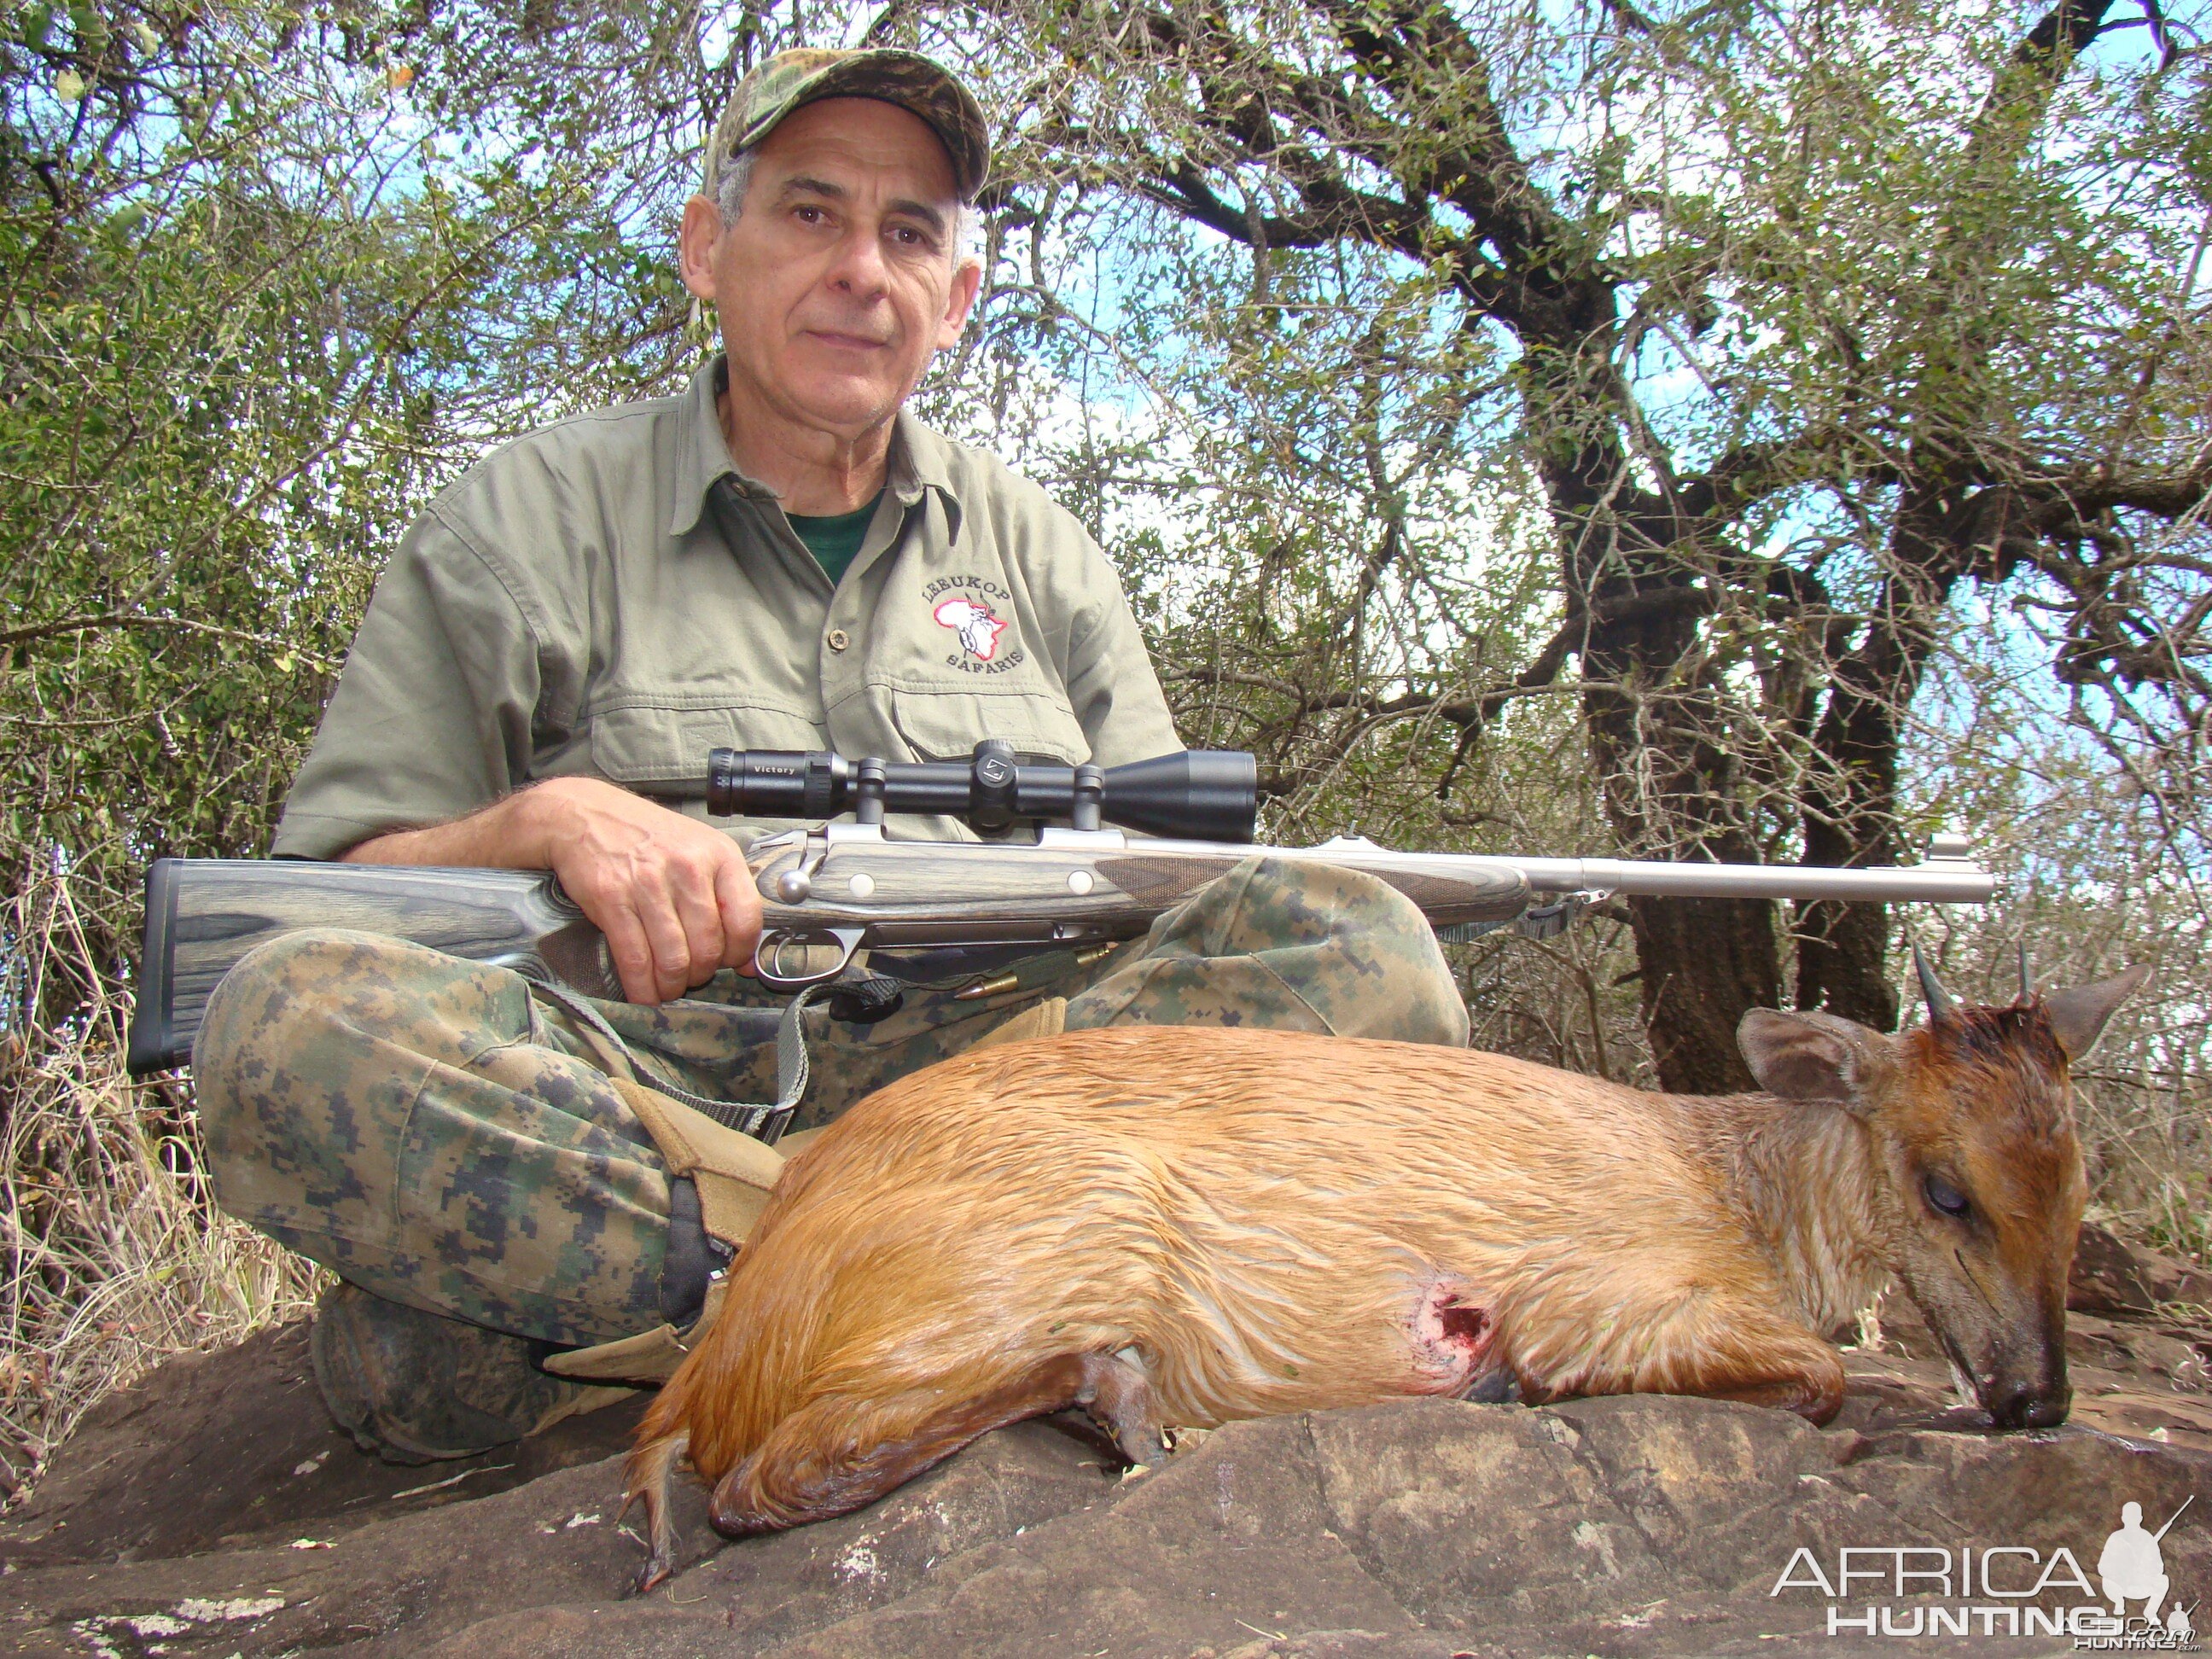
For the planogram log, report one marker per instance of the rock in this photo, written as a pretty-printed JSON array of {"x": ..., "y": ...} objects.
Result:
[
  {"x": 234, "y": 1447},
  {"x": 211, "y": 1512},
  {"x": 2108, "y": 1277},
  {"x": 2112, "y": 1276},
  {"x": 2172, "y": 1279}
]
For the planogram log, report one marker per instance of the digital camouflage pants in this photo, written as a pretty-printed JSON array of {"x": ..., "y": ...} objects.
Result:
[{"x": 432, "y": 1131}]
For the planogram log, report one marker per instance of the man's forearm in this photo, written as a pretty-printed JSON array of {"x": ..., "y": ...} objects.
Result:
[
  {"x": 672, "y": 895},
  {"x": 510, "y": 833}
]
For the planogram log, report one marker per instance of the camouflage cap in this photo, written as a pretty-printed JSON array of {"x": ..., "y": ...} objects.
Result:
[{"x": 806, "y": 75}]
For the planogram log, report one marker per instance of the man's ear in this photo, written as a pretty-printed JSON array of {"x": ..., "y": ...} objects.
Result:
[
  {"x": 694, "y": 246},
  {"x": 2078, "y": 1016},
  {"x": 1815, "y": 1056},
  {"x": 967, "y": 283}
]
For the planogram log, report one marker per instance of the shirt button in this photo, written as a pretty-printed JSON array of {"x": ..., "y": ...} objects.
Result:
[{"x": 839, "y": 639}]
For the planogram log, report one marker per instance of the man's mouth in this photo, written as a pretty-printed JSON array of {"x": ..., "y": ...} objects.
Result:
[{"x": 839, "y": 340}]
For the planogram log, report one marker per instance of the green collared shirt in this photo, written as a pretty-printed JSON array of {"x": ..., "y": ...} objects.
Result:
[{"x": 609, "y": 597}]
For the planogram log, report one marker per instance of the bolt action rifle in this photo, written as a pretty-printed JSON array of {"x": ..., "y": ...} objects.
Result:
[{"x": 832, "y": 888}]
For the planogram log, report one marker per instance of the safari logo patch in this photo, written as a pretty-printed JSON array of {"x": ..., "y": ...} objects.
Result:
[{"x": 974, "y": 611}]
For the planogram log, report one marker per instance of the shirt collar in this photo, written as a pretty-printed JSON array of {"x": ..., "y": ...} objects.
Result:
[
  {"x": 702, "y": 459},
  {"x": 920, "y": 460}
]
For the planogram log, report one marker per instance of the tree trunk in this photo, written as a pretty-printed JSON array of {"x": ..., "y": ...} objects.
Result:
[
  {"x": 1666, "y": 770},
  {"x": 1843, "y": 950},
  {"x": 1703, "y": 961}
]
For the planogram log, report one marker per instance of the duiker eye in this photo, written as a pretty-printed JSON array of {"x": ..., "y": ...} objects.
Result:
[{"x": 1944, "y": 1197}]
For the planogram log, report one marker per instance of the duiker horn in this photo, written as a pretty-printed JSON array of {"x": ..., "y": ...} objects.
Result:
[{"x": 1940, "y": 1009}]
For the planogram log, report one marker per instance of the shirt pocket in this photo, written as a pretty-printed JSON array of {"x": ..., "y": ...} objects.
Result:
[
  {"x": 948, "y": 725},
  {"x": 647, "y": 739}
]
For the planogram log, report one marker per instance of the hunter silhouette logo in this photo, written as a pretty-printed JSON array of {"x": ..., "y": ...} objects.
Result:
[
  {"x": 976, "y": 624},
  {"x": 2006, "y": 1590},
  {"x": 2133, "y": 1568}
]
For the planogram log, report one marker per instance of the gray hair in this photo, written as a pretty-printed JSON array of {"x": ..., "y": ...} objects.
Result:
[{"x": 735, "y": 177}]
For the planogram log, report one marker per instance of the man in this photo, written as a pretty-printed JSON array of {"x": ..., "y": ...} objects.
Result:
[{"x": 780, "y": 558}]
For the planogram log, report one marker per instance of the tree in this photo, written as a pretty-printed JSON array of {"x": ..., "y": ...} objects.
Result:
[
  {"x": 252, "y": 313},
  {"x": 1796, "y": 321}
]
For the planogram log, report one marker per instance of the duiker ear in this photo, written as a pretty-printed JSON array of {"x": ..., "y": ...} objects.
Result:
[
  {"x": 2078, "y": 1016},
  {"x": 1813, "y": 1056}
]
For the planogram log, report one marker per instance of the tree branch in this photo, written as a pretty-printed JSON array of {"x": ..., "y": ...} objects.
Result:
[{"x": 123, "y": 621}]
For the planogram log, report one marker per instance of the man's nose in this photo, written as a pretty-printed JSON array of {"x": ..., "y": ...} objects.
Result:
[{"x": 859, "y": 268}]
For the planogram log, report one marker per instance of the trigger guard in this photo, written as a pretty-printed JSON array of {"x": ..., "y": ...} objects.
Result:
[{"x": 770, "y": 947}]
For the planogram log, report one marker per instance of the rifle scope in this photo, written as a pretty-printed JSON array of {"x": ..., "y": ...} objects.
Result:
[{"x": 1200, "y": 794}]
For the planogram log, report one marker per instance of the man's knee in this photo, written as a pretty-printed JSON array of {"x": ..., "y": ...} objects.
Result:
[
  {"x": 274, "y": 1011},
  {"x": 308, "y": 1057},
  {"x": 1297, "y": 943},
  {"x": 297, "y": 1000},
  {"x": 1297, "y": 901},
  {"x": 276, "y": 979},
  {"x": 1366, "y": 957}
]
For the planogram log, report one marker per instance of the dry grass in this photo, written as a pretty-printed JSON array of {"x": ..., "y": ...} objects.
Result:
[
  {"x": 2148, "y": 1143},
  {"x": 116, "y": 1257}
]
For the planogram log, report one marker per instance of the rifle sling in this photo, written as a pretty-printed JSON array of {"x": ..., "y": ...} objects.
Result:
[
  {"x": 649, "y": 1358},
  {"x": 764, "y": 1124},
  {"x": 721, "y": 1147},
  {"x": 733, "y": 1174}
]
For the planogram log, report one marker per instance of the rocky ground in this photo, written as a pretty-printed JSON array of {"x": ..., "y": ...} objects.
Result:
[{"x": 212, "y": 1511}]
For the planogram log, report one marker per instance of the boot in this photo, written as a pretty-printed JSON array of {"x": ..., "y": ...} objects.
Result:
[{"x": 415, "y": 1387}]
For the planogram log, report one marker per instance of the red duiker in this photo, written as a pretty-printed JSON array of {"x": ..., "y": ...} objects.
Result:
[{"x": 1188, "y": 1225}]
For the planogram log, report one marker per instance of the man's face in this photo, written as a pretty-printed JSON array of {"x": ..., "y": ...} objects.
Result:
[{"x": 841, "y": 279}]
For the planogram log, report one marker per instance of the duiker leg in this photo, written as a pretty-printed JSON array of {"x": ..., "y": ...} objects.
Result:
[
  {"x": 1119, "y": 1397},
  {"x": 647, "y": 1475},
  {"x": 835, "y": 1456},
  {"x": 1747, "y": 1352},
  {"x": 1683, "y": 1339},
  {"x": 1814, "y": 1398}
]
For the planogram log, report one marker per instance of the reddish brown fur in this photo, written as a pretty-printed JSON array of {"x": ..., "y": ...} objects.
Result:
[{"x": 1261, "y": 1222}]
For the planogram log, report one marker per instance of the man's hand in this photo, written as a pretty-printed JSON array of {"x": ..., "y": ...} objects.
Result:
[{"x": 674, "y": 897}]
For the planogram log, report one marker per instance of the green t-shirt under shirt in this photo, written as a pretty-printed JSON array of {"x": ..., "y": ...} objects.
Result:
[{"x": 834, "y": 541}]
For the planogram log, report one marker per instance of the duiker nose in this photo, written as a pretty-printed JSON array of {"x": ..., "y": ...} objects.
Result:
[{"x": 2027, "y": 1405}]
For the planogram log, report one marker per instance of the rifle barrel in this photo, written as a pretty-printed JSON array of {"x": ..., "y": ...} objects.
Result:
[
  {"x": 1933, "y": 881},
  {"x": 1937, "y": 881}
]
